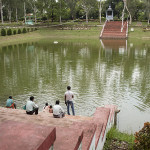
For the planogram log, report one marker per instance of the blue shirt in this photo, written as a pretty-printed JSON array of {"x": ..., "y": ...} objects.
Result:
[{"x": 9, "y": 102}]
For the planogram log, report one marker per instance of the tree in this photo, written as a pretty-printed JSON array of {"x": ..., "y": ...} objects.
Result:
[
  {"x": 87, "y": 5},
  {"x": 33, "y": 4},
  {"x": 1, "y": 10},
  {"x": 72, "y": 5},
  {"x": 100, "y": 10},
  {"x": 131, "y": 8},
  {"x": 148, "y": 10}
]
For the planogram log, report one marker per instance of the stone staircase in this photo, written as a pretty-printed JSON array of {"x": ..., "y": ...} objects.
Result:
[{"x": 112, "y": 30}]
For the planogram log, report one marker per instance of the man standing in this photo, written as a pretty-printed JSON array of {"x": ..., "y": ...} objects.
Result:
[
  {"x": 31, "y": 107},
  {"x": 10, "y": 103},
  {"x": 58, "y": 111},
  {"x": 68, "y": 100}
]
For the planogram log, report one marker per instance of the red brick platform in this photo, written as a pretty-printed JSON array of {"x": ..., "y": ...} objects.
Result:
[
  {"x": 26, "y": 136},
  {"x": 19, "y": 131}
]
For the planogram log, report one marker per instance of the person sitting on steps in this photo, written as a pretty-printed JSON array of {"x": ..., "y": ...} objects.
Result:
[
  {"x": 46, "y": 108},
  {"x": 10, "y": 103},
  {"x": 58, "y": 111},
  {"x": 51, "y": 109},
  {"x": 31, "y": 107}
]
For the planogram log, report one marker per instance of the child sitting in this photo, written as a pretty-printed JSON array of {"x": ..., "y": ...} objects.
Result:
[
  {"x": 46, "y": 108},
  {"x": 51, "y": 109}
]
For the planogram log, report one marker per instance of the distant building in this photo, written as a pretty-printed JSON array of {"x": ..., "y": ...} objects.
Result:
[
  {"x": 29, "y": 20},
  {"x": 109, "y": 14}
]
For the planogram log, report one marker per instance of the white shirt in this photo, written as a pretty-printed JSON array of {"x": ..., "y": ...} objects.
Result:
[
  {"x": 57, "y": 110},
  {"x": 46, "y": 109},
  {"x": 30, "y": 105},
  {"x": 69, "y": 95}
]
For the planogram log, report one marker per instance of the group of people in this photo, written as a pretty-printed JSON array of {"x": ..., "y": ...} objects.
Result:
[{"x": 57, "y": 110}]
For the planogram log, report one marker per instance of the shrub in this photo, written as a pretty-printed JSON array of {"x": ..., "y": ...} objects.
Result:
[
  {"x": 35, "y": 29},
  {"x": 44, "y": 18},
  {"x": 3, "y": 32},
  {"x": 32, "y": 29},
  {"x": 142, "y": 138},
  {"x": 14, "y": 32},
  {"x": 19, "y": 31},
  {"x": 24, "y": 30},
  {"x": 9, "y": 32},
  {"x": 28, "y": 29}
]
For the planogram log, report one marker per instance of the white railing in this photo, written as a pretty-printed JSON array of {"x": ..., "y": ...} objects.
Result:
[
  {"x": 127, "y": 30},
  {"x": 123, "y": 26},
  {"x": 103, "y": 29}
]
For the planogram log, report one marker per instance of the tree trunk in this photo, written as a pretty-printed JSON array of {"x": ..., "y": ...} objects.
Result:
[
  {"x": 129, "y": 14},
  {"x": 86, "y": 16},
  {"x": 9, "y": 14},
  {"x": 148, "y": 17},
  {"x": 60, "y": 14},
  {"x": 25, "y": 19},
  {"x": 16, "y": 15},
  {"x": 1, "y": 9},
  {"x": 35, "y": 14},
  {"x": 52, "y": 14},
  {"x": 100, "y": 15},
  {"x": 60, "y": 19}
]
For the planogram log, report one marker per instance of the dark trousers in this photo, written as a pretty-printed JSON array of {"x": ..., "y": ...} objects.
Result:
[
  {"x": 61, "y": 115},
  {"x": 35, "y": 110},
  {"x": 70, "y": 103}
]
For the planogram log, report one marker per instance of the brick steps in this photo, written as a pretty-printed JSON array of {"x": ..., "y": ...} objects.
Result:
[{"x": 112, "y": 30}]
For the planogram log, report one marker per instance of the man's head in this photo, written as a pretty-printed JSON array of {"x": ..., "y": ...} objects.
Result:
[
  {"x": 51, "y": 106},
  {"x": 57, "y": 102},
  {"x": 10, "y": 97},
  {"x": 68, "y": 88},
  {"x": 46, "y": 104},
  {"x": 31, "y": 98}
]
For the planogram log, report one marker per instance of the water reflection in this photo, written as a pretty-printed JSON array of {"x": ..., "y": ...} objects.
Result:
[{"x": 115, "y": 72}]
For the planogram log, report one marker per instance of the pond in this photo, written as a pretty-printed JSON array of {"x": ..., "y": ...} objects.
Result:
[{"x": 100, "y": 72}]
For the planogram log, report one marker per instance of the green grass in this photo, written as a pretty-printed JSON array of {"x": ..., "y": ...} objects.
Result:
[
  {"x": 136, "y": 23},
  {"x": 82, "y": 34},
  {"x": 138, "y": 36},
  {"x": 115, "y": 134}
]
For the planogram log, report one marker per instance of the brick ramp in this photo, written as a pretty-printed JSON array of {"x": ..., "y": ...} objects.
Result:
[
  {"x": 112, "y": 30},
  {"x": 25, "y": 136},
  {"x": 100, "y": 118},
  {"x": 70, "y": 130},
  {"x": 69, "y": 135}
]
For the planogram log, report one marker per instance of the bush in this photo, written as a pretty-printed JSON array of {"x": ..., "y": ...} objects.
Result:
[
  {"x": 24, "y": 30},
  {"x": 44, "y": 18},
  {"x": 35, "y": 29},
  {"x": 142, "y": 138},
  {"x": 28, "y": 29},
  {"x": 9, "y": 32},
  {"x": 19, "y": 31},
  {"x": 3, "y": 32},
  {"x": 14, "y": 32},
  {"x": 32, "y": 29}
]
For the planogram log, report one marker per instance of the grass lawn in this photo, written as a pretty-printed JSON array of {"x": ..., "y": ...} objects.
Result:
[
  {"x": 76, "y": 32},
  {"x": 118, "y": 141},
  {"x": 91, "y": 33}
]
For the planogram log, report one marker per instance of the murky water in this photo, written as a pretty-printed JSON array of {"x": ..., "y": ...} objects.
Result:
[{"x": 100, "y": 73}]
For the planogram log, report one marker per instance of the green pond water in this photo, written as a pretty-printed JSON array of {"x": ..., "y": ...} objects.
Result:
[{"x": 100, "y": 73}]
